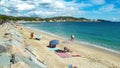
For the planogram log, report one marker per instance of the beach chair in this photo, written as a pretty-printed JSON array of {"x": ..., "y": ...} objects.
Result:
[{"x": 37, "y": 37}]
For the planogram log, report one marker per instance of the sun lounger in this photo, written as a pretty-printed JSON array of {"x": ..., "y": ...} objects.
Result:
[{"x": 62, "y": 55}]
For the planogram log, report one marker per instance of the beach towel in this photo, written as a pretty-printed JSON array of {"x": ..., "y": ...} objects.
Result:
[
  {"x": 52, "y": 49},
  {"x": 62, "y": 55},
  {"x": 75, "y": 55}
]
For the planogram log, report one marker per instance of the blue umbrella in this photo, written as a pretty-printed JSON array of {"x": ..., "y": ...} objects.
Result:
[{"x": 54, "y": 42}]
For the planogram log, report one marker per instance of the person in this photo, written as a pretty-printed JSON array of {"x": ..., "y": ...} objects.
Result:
[
  {"x": 32, "y": 35},
  {"x": 72, "y": 38},
  {"x": 67, "y": 50}
]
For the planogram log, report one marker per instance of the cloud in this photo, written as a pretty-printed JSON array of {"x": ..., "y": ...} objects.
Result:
[
  {"x": 43, "y": 8},
  {"x": 58, "y": 4},
  {"x": 107, "y": 8},
  {"x": 98, "y": 2},
  {"x": 46, "y": 1},
  {"x": 24, "y": 6},
  {"x": 6, "y": 10},
  {"x": 61, "y": 12}
]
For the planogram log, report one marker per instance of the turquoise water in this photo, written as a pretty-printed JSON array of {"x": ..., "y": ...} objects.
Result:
[{"x": 100, "y": 34}]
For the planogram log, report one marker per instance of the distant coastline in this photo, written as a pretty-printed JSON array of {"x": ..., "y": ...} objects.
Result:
[{"x": 4, "y": 18}]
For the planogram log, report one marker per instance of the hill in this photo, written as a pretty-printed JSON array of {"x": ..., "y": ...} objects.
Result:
[{"x": 4, "y": 18}]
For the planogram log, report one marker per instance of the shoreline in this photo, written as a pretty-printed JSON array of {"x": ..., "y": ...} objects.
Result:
[
  {"x": 97, "y": 47},
  {"x": 94, "y": 46}
]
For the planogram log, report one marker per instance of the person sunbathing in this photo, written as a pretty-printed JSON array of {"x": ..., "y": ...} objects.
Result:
[{"x": 66, "y": 49}]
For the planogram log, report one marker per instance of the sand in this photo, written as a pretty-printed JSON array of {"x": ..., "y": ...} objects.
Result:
[
  {"x": 20, "y": 65},
  {"x": 90, "y": 57}
]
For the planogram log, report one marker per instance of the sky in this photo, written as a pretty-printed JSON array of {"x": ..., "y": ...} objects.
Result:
[{"x": 91, "y": 9}]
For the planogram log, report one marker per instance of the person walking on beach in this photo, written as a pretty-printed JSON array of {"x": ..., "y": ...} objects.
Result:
[
  {"x": 72, "y": 38},
  {"x": 31, "y": 35}
]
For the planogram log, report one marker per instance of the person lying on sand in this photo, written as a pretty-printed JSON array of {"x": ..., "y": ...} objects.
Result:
[{"x": 67, "y": 50}]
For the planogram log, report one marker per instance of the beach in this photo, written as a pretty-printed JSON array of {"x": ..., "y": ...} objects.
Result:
[{"x": 89, "y": 57}]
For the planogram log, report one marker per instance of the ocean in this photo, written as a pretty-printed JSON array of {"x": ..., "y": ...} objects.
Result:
[{"x": 105, "y": 34}]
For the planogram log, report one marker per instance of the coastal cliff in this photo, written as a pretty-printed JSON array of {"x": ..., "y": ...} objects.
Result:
[{"x": 53, "y": 19}]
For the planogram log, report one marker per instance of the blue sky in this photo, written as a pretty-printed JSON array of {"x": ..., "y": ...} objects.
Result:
[{"x": 92, "y": 9}]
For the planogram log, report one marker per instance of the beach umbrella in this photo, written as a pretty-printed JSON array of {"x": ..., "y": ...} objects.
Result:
[{"x": 54, "y": 42}]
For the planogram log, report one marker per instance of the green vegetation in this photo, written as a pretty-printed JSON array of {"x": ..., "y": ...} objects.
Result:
[
  {"x": 12, "y": 18},
  {"x": 4, "y": 18}
]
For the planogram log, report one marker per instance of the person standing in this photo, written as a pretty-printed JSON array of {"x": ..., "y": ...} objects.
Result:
[
  {"x": 31, "y": 35},
  {"x": 72, "y": 38}
]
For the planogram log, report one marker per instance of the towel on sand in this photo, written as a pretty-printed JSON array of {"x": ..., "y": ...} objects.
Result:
[
  {"x": 75, "y": 55},
  {"x": 62, "y": 55},
  {"x": 52, "y": 49}
]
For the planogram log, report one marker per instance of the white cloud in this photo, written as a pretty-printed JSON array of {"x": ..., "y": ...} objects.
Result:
[
  {"x": 59, "y": 5},
  {"x": 24, "y": 6},
  {"x": 6, "y": 10},
  {"x": 97, "y": 2},
  {"x": 43, "y": 12},
  {"x": 107, "y": 8},
  {"x": 46, "y": 1},
  {"x": 43, "y": 8},
  {"x": 3, "y": 3}
]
